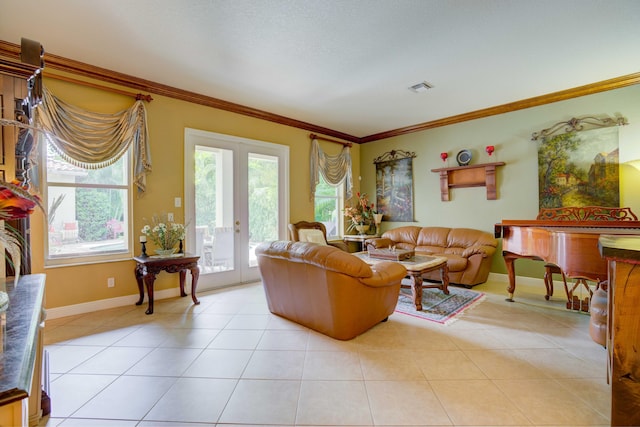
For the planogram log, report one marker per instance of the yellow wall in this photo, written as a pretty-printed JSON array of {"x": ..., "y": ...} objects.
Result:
[
  {"x": 510, "y": 133},
  {"x": 167, "y": 119}
]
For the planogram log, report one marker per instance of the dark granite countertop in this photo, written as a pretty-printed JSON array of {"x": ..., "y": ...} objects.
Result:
[
  {"x": 19, "y": 323},
  {"x": 620, "y": 247}
]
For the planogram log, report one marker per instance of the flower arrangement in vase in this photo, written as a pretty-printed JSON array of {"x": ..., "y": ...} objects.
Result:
[
  {"x": 15, "y": 203},
  {"x": 361, "y": 214},
  {"x": 164, "y": 234}
]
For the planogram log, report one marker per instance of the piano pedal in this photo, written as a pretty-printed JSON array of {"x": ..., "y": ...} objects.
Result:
[
  {"x": 585, "y": 305},
  {"x": 574, "y": 303}
]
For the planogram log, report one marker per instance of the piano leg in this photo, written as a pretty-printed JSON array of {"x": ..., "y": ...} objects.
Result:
[
  {"x": 511, "y": 271},
  {"x": 549, "y": 271}
]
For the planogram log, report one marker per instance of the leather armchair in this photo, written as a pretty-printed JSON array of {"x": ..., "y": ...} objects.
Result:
[
  {"x": 296, "y": 235},
  {"x": 326, "y": 289}
]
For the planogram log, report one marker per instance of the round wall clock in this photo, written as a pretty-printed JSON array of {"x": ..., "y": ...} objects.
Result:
[{"x": 464, "y": 157}]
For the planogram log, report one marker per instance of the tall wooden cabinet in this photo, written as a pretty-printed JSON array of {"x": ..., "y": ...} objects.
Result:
[
  {"x": 20, "y": 90},
  {"x": 22, "y": 318},
  {"x": 623, "y": 329}
]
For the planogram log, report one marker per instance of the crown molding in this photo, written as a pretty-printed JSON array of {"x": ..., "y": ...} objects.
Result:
[
  {"x": 602, "y": 86},
  {"x": 67, "y": 65}
]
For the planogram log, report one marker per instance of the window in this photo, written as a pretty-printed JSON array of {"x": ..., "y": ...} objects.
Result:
[
  {"x": 87, "y": 209},
  {"x": 329, "y": 202}
]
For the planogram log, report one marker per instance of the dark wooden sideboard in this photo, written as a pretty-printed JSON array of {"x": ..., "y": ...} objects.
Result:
[
  {"x": 21, "y": 337},
  {"x": 623, "y": 330}
]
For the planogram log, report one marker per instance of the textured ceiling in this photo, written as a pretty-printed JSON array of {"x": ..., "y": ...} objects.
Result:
[{"x": 344, "y": 65}]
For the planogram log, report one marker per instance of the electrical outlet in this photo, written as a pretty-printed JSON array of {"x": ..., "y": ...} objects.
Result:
[
  {"x": 111, "y": 282},
  {"x": 170, "y": 216}
]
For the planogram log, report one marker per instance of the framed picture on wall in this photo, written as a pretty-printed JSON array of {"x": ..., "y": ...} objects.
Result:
[
  {"x": 579, "y": 167},
  {"x": 394, "y": 185}
]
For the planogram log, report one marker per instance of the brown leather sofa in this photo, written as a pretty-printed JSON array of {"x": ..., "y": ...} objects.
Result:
[
  {"x": 326, "y": 289},
  {"x": 468, "y": 251}
]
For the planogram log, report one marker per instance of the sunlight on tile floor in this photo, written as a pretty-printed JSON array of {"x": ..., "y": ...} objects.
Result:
[{"x": 230, "y": 361}]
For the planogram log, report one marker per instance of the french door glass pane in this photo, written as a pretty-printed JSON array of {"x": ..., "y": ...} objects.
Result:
[
  {"x": 214, "y": 209},
  {"x": 263, "y": 201}
]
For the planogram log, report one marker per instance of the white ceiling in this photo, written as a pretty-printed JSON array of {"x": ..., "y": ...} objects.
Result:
[{"x": 344, "y": 64}]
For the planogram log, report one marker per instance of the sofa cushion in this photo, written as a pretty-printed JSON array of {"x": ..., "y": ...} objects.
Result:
[
  {"x": 466, "y": 237},
  {"x": 455, "y": 262},
  {"x": 407, "y": 235},
  {"x": 433, "y": 236}
]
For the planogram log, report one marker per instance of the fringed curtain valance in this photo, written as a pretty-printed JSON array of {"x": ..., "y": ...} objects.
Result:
[
  {"x": 95, "y": 140},
  {"x": 334, "y": 169}
]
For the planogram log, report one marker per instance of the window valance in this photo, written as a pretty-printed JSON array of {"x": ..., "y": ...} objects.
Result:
[
  {"x": 334, "y": 169},
  {"x": 94, "y": 140}
]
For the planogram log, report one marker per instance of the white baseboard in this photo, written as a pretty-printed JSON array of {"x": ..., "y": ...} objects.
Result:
[
  {"x": 103, "y": 304},
  {"x": 89, "y": 307}
]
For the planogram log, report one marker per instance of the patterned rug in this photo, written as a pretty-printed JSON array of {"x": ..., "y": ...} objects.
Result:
[{"x": 438, "y": 307}]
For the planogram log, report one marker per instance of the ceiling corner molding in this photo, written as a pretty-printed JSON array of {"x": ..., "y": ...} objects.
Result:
[
  {"x": 56, "y": 62},
  {"x": 602, "y": 86}
]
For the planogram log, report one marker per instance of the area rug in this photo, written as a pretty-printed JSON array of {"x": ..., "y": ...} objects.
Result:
[{"x": 438, "y": 307}]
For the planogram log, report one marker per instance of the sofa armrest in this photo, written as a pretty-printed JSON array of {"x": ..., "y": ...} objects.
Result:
[
  {"x": 385, "y": 274},
  {"x": 377, "y": 243},
  {"x": 485, "y": 251}
]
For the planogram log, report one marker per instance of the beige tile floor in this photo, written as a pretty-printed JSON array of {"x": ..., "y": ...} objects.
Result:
[{"x": 229, "y": 361}]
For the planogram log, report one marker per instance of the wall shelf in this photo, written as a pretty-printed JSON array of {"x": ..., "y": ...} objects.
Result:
[{"x": 482, "y": 175}]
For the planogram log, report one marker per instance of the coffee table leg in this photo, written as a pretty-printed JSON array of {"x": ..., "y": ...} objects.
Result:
[
  {"x": 416, "y": 289},
  {"x": 444, "y": 275}
]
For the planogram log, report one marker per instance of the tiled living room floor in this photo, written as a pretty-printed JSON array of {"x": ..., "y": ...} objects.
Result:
[{"x": 229, "y": 361}]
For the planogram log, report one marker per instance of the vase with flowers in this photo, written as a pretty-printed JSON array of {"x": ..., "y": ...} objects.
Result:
[
  {"x": 16, "y": 202},
  {"x": 164, "y": 234},
  {"x": 361, "y": 214}
]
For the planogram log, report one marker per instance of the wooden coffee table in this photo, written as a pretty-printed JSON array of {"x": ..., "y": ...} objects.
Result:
[{"x": 416, "y": 267}]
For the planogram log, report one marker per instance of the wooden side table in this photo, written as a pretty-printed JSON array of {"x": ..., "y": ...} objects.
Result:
[
  {"x": 360, "y": 238},
  {"x": 147, "y": 267}
]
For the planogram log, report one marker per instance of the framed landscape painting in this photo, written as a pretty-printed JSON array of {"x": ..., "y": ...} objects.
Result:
[
  {"x": 579, "y": 169},
  {"x": 394, "y": 186}
]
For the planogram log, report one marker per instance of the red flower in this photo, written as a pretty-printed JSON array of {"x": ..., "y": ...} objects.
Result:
[{"x": 16, "y": 202}]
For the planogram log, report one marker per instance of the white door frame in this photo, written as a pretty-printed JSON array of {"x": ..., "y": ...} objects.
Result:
[{"x": 241, "y": 146}]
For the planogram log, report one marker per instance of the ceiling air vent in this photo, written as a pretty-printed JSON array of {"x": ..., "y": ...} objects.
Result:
[{"x": 421, "y": 87}]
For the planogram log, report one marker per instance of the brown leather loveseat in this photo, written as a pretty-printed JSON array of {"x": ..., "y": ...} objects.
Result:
[
  {"x": 468, "y": 251},
  {"x": 326, "y": 289}
]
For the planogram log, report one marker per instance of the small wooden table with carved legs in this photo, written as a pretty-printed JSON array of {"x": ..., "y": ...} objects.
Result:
[
  {"x": 416, "y": 267},
  {"x": 147, "y": 267}
]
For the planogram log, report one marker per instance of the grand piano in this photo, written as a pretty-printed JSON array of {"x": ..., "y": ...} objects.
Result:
[{"x": 566, "y": 238}]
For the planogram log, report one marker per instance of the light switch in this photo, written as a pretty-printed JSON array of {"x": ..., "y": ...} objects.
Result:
[{"x": 177, "y": 202}]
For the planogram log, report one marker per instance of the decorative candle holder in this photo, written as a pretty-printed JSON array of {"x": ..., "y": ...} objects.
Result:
[
  {"x": 143, "y": 242},
  {"x": 490, "y": 149},
  {"x": 444, "y": 156},
  {"x": 377, "y": 219}
]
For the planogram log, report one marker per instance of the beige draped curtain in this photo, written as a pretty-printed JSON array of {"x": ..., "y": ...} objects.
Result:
[
  {"x": 95, "y": 140},
  {"x": 334, "y": 169}
]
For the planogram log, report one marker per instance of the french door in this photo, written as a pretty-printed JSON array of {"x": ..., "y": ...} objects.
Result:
[{"x": 236, "y": 196}]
